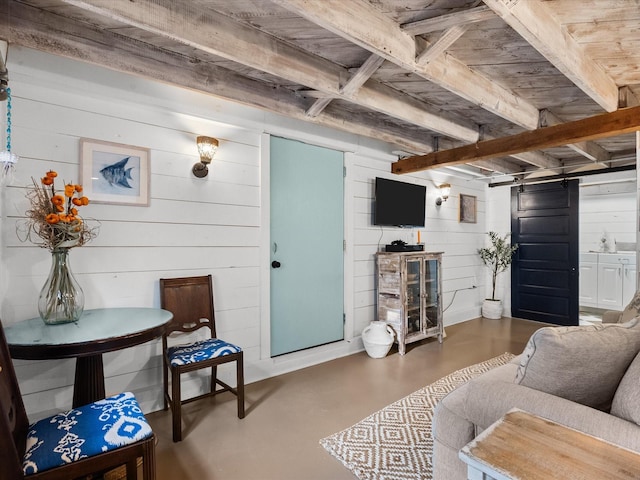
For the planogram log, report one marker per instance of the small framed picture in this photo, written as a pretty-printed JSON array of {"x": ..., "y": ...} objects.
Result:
[
  {"x": 468, "y": 209},
  {"x": 114, "y": 173}
]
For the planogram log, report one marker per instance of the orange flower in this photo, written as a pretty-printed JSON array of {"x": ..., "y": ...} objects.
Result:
[{"x": 52, "y": 218}]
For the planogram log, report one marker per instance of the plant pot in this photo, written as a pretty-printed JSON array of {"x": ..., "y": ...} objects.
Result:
[
  {"x": 492, "y": 309},
  {"x": 377, "y": 338}
]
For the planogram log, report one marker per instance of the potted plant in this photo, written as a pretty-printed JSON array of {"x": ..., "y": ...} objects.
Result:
[{"x": 497, "y": 257}]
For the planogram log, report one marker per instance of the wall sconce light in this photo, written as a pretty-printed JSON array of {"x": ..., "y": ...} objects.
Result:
[
  {"x": 207, "y": 147},
  {"x": 445, "y": 190}
]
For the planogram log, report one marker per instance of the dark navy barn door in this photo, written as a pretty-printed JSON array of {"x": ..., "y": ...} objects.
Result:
[{"x": 544, "y": 273}]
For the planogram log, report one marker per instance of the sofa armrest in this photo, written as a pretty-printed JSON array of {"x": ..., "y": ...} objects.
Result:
[{"x": 489, "y": 401}]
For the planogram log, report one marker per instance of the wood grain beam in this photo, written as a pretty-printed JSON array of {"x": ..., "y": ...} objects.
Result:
[
  {"x": 626, "y": 98},
  {"x": 589, "y": 150},
  {"x": 539, "y": 159},
  {"x": 32, "y": 28},
  {"x": 361, "y": 23},
  {"x": 535, "y": 23},
  {"x": 318, "y": 106},
  {"x": 364, "y": 73},
  {"x": 356, "y": 81},
  {"x": 443, "y": 22},
  {"x": 442, "y": 43},
  {"x": 499, "y": 165},
  {"x": 600, "y": 126},
  {"x": 221, "y": 36}
]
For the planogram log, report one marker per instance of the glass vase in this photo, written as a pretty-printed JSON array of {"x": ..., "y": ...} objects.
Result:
[{"x": 61, "y": 298}]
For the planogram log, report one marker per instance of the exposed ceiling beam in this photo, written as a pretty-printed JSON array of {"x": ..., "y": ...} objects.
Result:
[
  {"x": 627, "y": 98},
  {"x": 533, "y": 21},
  {"x": 361, "y": 23},
  {"x": 318, "y": 106},
  {"x": 356, "y": 81},
  {"x": 600, "y": 126},
  {"x": 249, "y": 46},
  {"x": 590, "y": 150},
  {"x": 498, "y": 165},
  {"x": 368, "y": 68},
  {"x": 464, "y": 17},
  {"x": 539, "y": 159},
  {"x": 379, "y": 34},
  {"x": 441, "y": 44},
  {"x": 30, "y": 27}
]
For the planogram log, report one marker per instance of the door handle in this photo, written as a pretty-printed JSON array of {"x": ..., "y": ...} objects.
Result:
[{"x": 275, "y": 264}]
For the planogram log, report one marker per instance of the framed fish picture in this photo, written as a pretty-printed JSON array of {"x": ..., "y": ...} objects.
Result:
[{"x": 114, "y": 173}]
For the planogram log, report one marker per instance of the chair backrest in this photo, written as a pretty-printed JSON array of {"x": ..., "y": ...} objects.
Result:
[
  {"x": 190, "y": 299},
  {"x": 13, "y": 417}
]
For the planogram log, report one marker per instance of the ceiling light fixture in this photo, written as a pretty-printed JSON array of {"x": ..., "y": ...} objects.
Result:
[{"x": 207, "y": 147}]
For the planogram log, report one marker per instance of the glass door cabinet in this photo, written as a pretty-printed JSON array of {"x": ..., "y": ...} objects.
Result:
[{"x": 409, "y": 295}]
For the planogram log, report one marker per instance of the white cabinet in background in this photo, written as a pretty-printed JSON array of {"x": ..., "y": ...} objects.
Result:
[
  {"x": 610, "y": 286},
  {"x": 629, "y": 276},
  {"x": 607, "y": 280},
  {"x": 589, "y": 279}
]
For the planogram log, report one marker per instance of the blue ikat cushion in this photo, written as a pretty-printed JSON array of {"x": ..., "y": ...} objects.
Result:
[
  {"x": 84, "y": 432},
  {"x": 200, "y": 351}
]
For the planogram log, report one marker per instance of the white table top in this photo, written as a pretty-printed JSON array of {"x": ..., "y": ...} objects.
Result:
[{"x": 104, "y": 329}]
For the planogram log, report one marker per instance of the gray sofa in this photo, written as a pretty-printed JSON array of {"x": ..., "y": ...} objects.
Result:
[{"x": 586, "y": 378}]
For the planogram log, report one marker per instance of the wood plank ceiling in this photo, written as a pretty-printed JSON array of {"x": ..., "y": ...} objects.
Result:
[{"x": 424, "y": 75}]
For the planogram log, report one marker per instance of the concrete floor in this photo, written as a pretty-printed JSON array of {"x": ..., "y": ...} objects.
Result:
[{"x": 289, "y": 414}]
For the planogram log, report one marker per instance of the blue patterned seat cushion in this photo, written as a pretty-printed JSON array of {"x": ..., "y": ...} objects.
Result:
[
  {"x": 200, "y": 351},
  {"x": 84, "y": 432}
]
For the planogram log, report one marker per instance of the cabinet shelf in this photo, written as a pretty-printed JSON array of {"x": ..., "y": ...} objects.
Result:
[{"x": 409, "y": 295}]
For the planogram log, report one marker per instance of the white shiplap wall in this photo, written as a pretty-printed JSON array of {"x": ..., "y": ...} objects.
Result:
[
  {"x": 217, "y": 225},
  {"x": 608, "y": 209}
]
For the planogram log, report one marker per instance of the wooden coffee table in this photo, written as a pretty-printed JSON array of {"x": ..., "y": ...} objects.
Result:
[{"x": 526, "y": 447}]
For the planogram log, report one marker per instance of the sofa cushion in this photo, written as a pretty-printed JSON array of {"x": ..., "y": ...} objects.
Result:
[
  {"x": 583, "y": 364},
  {"x": 626, "y": 401}
]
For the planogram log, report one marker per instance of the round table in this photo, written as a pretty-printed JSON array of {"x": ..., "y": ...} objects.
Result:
[{"x": 98, "y": 331}]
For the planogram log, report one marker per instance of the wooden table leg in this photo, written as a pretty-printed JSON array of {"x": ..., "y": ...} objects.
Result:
[{"x": 89, "y": 382}]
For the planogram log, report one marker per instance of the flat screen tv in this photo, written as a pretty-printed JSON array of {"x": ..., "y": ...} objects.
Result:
[{"x": 399, "y": 204}]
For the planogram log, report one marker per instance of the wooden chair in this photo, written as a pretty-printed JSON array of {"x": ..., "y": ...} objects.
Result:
[
  {"x": 190, "y": 299},
  {"x": 83, "y": 441}
]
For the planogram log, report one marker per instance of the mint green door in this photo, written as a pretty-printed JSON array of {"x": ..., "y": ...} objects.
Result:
[{"x": 307, "y": 264}]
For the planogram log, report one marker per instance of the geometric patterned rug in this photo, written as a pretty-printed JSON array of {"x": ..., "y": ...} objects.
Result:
[{"x": 395, "y": 443}]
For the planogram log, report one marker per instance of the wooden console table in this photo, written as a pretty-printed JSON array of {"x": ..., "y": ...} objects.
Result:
[{"x": 526, "y": 447}]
